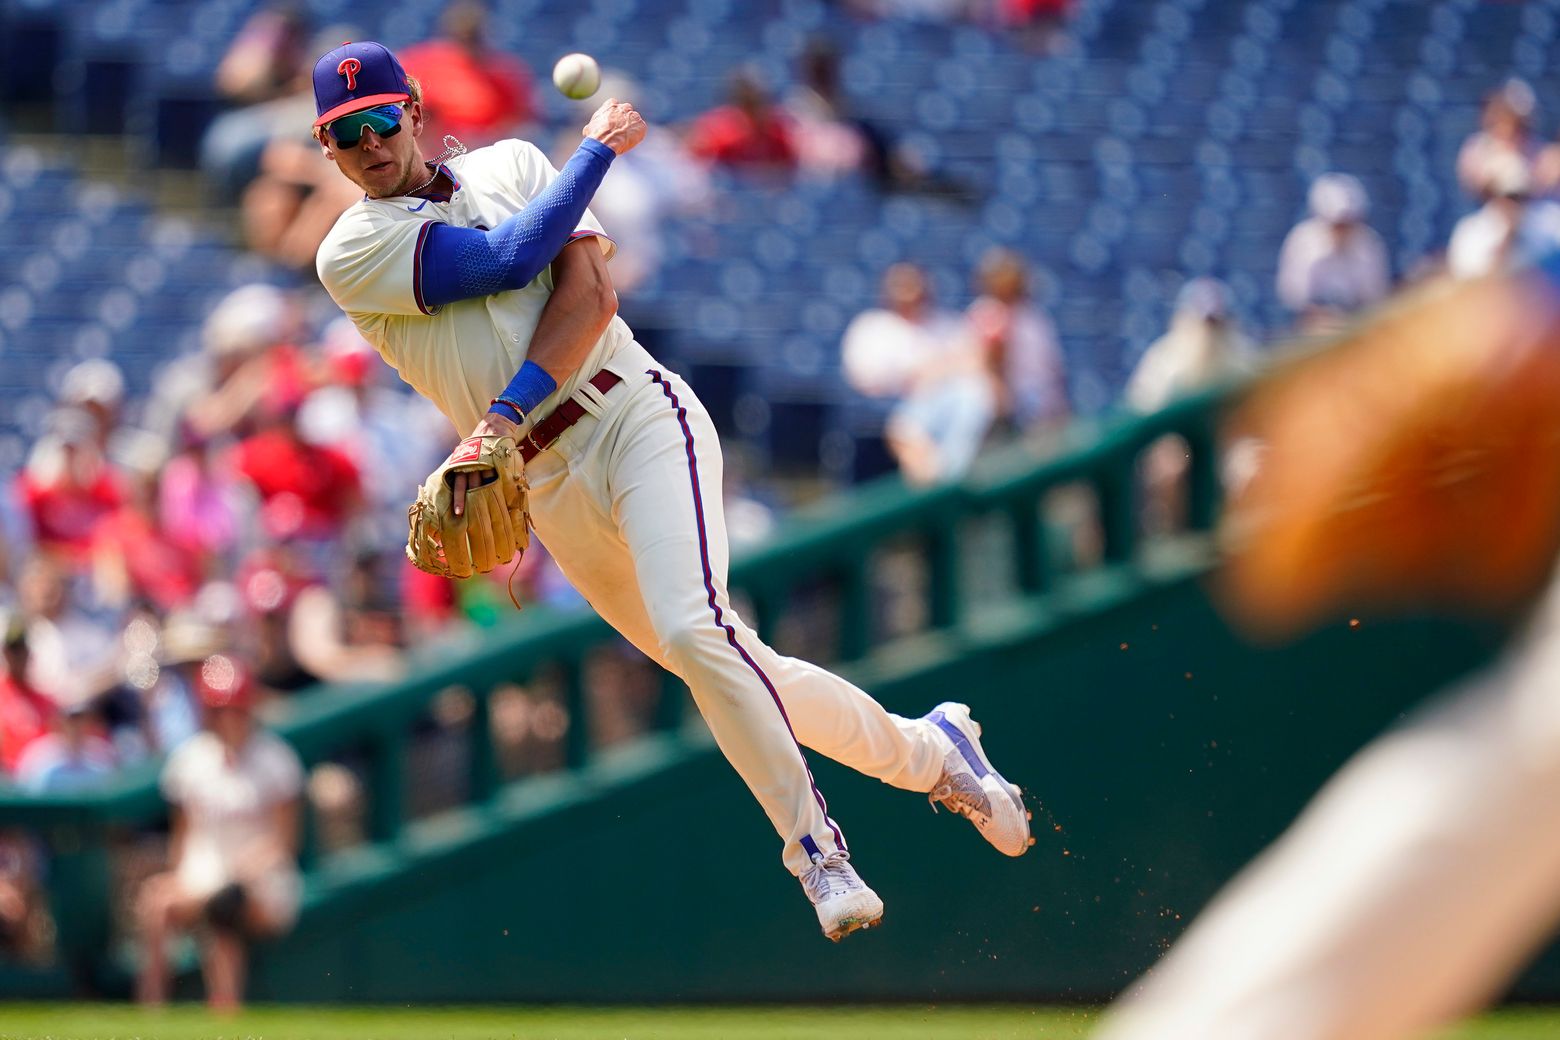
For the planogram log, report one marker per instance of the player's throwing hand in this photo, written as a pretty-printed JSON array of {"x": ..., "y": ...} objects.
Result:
[{"x": 617, "y": 125}]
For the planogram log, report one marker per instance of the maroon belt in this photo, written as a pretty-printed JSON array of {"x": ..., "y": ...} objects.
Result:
[{"x": 544, "y": 433}]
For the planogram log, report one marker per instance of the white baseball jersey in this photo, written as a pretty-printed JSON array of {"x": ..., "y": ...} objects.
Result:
[
  {"x": 462, "y": 354},
  {"x": 627, "y": 500}
]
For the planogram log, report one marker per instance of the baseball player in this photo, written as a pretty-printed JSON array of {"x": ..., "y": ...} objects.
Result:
[{"x": 483, "y": 280}]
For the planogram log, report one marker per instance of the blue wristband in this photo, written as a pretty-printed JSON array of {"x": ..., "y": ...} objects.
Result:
[
  {"x": 507, "y": 410},
  {"x": 526, "y": 390}
]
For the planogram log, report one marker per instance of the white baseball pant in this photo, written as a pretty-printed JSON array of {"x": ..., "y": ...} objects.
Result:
[
  {"x": 628, "y": 501},
  {"x": 1408, "y": 893}
]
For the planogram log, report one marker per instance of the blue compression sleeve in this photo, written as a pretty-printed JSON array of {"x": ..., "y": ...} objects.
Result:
[{"x": 463, "y": 263}]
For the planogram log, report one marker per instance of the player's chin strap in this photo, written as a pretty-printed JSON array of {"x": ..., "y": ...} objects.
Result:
[{"x": 452, "y": 148}]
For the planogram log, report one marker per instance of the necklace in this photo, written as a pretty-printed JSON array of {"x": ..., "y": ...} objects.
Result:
[{"x": 423, "y": 186}]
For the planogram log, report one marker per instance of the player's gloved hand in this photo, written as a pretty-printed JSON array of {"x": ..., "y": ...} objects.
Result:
[
  {"x": 493, "y": 424},
  {"x": 616, "y": 125},
  {"x": 492, "y": 524}
]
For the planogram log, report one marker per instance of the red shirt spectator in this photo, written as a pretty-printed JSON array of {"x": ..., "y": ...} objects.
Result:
[
  {"x": 155, "y": 566},
  {"x": 750, "y": 131},
  {"x": 26, "y": 713},
  {"x": 479, "y": 99},
  {"x": 304, "y": 489},
  {"x": 470, "y": 90},
  {"x": 67, "y": 490}
]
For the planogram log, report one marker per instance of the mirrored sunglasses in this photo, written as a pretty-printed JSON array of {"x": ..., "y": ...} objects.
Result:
[{"x": 384, "y": 121}]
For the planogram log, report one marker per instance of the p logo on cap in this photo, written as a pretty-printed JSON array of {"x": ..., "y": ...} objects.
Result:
[{"x": 356, "y": 76}]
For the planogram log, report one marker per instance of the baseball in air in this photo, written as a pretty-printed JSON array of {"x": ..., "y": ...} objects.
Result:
[{"x": 577, "y": 76}]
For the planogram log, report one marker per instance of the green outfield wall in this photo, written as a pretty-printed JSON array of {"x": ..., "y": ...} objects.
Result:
[{"x": 1163, "y": 752}]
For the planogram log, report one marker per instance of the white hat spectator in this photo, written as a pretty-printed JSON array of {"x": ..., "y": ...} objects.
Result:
[
  {"x": 1207, "y": 298},
  {"x": 1339, "y": 198},
  {"x": 1519, "y": 97},
  {"x": 248, "y": 319},
  {"x": 96, "y": 381}
]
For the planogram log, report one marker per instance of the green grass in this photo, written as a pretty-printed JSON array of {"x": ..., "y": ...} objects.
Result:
[{"x": 120, "y": 1022}]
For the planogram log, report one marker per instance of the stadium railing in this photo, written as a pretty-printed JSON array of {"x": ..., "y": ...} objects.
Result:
[{"x": 834, "y": 547}]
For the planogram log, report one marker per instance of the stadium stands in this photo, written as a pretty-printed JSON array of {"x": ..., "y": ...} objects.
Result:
[{"x": 1167, "y": 139}]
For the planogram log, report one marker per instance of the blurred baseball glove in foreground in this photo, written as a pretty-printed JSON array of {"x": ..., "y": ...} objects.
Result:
[{"x": 1414, "y": 461}]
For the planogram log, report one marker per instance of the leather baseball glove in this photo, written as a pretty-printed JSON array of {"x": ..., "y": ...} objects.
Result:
[
  {"x": 1414, "y": 462},
  {"x": 494, "y": 525}
]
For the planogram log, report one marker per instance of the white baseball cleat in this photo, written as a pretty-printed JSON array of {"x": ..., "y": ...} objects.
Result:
[
  {"x": 972, "y": 788},
  {"x": 843, "y": 901}
]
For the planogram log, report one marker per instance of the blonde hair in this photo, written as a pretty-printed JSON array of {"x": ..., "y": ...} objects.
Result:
[{"x": 414, "y": 97}]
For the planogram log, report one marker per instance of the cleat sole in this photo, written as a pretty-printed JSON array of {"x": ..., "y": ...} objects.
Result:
[{"x": 854, "y": 925}]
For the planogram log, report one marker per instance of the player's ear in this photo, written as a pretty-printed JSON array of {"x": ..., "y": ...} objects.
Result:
[
  {"x": 415, "y": 112},
  {"x": 324, "y": 142}
]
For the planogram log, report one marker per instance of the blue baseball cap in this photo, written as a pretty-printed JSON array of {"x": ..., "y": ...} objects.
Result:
[{"x": 356, "y": 76}]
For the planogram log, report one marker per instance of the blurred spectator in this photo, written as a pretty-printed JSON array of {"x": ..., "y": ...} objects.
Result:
[
  {"x": 1019, "y": 344},
  {"x": 263, "y": 76},
  {"x": 925, "y": 359},
  {"x": 73, "y": 756},
  {"x": 478, "y": 94},
  {"x": 24, "y": 927},
  {"x": 71, "y": 650},
  {"x": 1333, "y": 264},
  {"x": 306, "y": 491},
  {"x": 124, "y": 704},
  {"x": 260, "y": 154},
  {"x": 26, "y": 712},
  {"x": 1511, "y": 228},
  {"x": 749, "y": 131},
  {"x": 270, "y": 584},
  {"x": 828, "y": 141},
  {"x": 97, "y": 388},
  {"x": 1203, "y": 346},
  {"x": 293, "y": 202},
  {"x": 392, "y": 437},
  {"x": 264, "y": 59},
  {"x": 15, "y": 535},
  {"x": 202, "y": 506},
  {"x": 353, "y": 637},
  {"x": 67, "y": 487},
  {"x": 1506, "y": 140},
  {"x": 233, "y": 792},
  {"x": 172, "y": 704},
  {"x": 1040, "y": 24},
  {"x": 133, "y": 559},
  {"x": 250, "y": 332}
]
